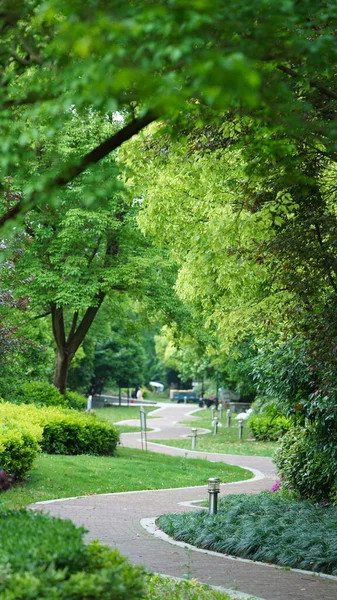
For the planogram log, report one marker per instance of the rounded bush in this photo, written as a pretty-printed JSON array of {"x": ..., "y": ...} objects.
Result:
[
  {"x": 69, "y": 432},
  {"x": 75, "y": 400},
  {"x": 307, "y": 461},
  {"x": 19, "y": 440},
  {"x": 40, "y": 393},
  {"x": 268, "y": 427}
]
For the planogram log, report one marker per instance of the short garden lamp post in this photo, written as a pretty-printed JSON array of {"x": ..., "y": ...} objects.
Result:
[
  {"x": 213, "y": 412},
  {"x": 228, "y": 413},
  {"x": 240, "y": 429},
  {"x": 215, "y": 425},
  {"x": 185, "y": 399},
  {"x": 213, "y": 492},
  {"x": 194, "y": 437},
  {"x": 220, "y": 410}
]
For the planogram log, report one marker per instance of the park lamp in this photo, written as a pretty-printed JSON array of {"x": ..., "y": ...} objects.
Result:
[{"x": 213, "y": 492}]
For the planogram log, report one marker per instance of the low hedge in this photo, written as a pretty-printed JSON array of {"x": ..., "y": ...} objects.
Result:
[
  {"x": 19, "y": 440},
  {"x": 42, "y": 393},
  {"x": 267, "y": 427},
  {"x": 26, "y": 429},
  {"x": 46, "y": 558},
  {"x": 68, "y": 432}
]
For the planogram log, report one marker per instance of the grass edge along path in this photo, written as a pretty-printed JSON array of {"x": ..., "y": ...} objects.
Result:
[
  {"x": 266, "y": 527},
  {"x": 225, "y": 442},
  {"x": 59, "y": 476}
]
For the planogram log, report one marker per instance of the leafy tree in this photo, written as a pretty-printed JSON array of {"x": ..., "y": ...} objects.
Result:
[
  {"x": 272, "y": 61},
  {"x": 120, "y": 361}
]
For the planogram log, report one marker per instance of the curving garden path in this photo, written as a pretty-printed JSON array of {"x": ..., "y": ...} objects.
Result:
[{"x": 126, "y": 521}]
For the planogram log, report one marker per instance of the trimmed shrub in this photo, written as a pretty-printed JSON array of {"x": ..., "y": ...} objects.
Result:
[
  {"x": 68, "y": 432},
  {"x": 40, "y": 393},
  {"x": 19, "y": 440},
  {"x": 44, "y": 557},
  {"x": 268, "y": 427},
  {"x": 75, "y": 400},
  {"x": 307, "y": 461}
]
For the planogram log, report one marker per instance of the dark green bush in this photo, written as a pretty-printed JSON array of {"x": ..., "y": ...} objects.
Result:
[
  {"x": 75, "y": 400},
  {"x": 40, "y": 393},
  {"x": 73, "y": 433},
  {"x": 307, "y": 461},
  {"x": 46, "y": 558},
  {"x": 266, "y": 527},
  {"x": 268, "y": 427}
]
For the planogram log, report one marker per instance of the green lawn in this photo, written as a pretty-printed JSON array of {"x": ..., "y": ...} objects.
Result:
[
  {"x": 55, "y": 476},
  {"x": 226, "y": 441},
  {"x": 114, "y": 414}
]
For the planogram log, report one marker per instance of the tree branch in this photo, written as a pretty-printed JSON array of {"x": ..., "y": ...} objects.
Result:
[
  {"x": 73, "y": 326},
  {"x": 91, "y": 158},
  {"x": 312, "y": 82},
  {"x": 58, "y": 327},
  {"x": 77, "y": 337},
  {"x": 104, "y": 149}
]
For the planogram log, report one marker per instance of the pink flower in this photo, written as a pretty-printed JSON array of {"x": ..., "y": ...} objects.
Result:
[{"x": 276, "y": 486}]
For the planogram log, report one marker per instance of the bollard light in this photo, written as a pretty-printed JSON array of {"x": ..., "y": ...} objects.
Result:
[
  {"x": 213, "y": 492},
  {"x": 89, "y": 403},
  {"x": 240, "y": 429},
  {"x": 228, "y": 413},
  {"x": 220, "y": 410},
  {"x": 215, "y": 425},
  {"x": 194, "y": 437},
  {"x": 213, "y": 412},
  {"x": 185, "y": 399}
]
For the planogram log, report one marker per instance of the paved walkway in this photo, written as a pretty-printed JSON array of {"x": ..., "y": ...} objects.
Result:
[{"x": 115, "y": 519}]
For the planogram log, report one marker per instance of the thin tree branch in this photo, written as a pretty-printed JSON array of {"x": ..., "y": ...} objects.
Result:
[
  {"x": 80, "y": 333},
  {"x": 73, "y": 326},
  {"x": 312, "y": 82}
]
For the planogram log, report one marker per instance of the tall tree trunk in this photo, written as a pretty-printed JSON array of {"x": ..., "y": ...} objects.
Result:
[
  {"x": 61, "y": 370},
  {"x": 66, "y": 347}
]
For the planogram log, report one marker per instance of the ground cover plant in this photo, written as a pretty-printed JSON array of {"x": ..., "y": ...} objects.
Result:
[
  {"x": 226, "y": 441},
  {"x": 54, "y": 476},
  {"x": 158, "y": 587},
  {"x": 267, "y": 527}
]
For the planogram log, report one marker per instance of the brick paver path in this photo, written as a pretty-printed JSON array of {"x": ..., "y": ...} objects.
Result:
[{"x": 115, "y": 520}]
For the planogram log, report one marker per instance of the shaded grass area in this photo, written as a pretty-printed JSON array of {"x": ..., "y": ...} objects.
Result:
[
  {"x": 265, "y": 527},
  {"x": 226, "y": 441},
  {"x": 56, "y": 476}
]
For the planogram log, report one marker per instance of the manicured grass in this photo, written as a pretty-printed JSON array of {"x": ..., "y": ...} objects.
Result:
[
  {"x": 114, "y": 414},
  {"x": 58, "y": 476},
  {"x": 266, "y": 527},
  {"x": 226, "y": 441}
]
